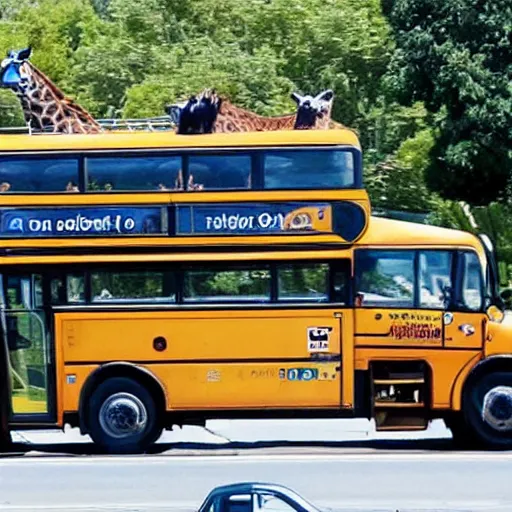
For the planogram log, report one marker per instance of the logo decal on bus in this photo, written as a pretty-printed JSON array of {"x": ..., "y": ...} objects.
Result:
[
  {"x": 423, "y": 327},
  {"x": 253, "y": 218},
  {"x": 308, "y": 374},
  {"x": 319, "y": 339},
  {"x": 298, "y": 374},
  {"x": 81, "y": 221}
]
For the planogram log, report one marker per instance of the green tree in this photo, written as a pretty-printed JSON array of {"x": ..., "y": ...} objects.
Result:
[
  {"x": 249, "y": 80},
  {"x": 456, "y": 56}
]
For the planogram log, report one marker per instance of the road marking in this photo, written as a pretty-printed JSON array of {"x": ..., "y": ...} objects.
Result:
[{"x": 314, "y": 458}]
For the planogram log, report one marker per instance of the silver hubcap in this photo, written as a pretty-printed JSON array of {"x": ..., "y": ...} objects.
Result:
[
  {"x": 497, "y": 408},
  {"x": 123, "y": 415}
]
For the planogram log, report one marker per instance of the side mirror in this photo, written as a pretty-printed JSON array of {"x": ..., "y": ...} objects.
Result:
[{"x": 495, "y": 314}]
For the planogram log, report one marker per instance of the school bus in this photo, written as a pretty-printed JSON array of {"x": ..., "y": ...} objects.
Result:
[{"x": 153, "y": 279}]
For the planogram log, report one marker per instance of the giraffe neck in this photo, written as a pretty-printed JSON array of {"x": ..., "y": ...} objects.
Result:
[
  {"x": 46, "y": 107},
  {"x": 235, "y": 119}
]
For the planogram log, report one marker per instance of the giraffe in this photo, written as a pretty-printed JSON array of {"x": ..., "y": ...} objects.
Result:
[
  {"x": 44, "y": 105},
  {"x": 209, "y": 113}
]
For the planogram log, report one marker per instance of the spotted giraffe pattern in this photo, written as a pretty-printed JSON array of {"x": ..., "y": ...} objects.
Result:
[
  {"x": 45, "y": 106},
  {"x": 231, "y": 118}
]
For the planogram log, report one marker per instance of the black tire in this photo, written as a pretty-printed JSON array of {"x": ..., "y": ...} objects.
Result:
[
  {"x": 112, "y": 396},
  {"x": 473, "y": 401},
  {"x": 462, "y": 433}
]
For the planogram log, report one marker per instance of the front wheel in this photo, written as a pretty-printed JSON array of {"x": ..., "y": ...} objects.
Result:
[
  {"x": 488, "y": 410},
  {"x": 123, "y": 417}
]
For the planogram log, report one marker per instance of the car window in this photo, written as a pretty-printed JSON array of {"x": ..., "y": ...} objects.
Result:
[{"x": 270, "y": 503}]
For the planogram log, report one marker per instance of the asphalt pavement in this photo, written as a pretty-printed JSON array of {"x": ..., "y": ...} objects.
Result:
[
  {"x": 338, "y": 464},
  {"x": 349, "y": 481}
]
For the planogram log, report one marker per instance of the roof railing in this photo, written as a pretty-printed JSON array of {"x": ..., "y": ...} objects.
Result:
[
  {"x": 151, "y": 124},
  {"x": 148, "y": 124}
]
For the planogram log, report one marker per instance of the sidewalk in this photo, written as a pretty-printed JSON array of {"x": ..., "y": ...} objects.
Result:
[{"x": 224, "y": 432}]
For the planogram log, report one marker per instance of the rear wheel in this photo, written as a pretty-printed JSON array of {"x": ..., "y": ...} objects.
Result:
[
  {"x": 488, "y": 410},
  {"x": 123, "y": 417}
]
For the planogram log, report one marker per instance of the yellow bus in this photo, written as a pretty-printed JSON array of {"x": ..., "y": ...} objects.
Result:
[{"x": 151, "y": 280}]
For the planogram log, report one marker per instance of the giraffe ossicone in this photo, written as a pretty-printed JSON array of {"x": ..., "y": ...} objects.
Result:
[{"x": 45, "y": 106}]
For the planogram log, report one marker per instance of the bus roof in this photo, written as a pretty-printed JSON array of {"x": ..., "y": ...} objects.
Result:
[
  {"x": 390, "y": 232},
  {"x": 164, "y": 140}
]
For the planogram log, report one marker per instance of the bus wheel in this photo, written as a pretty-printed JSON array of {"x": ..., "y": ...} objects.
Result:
[
  {"x": 462, "y": 434},
  {"x": 122, "y": 416},
  {"x": 488, "y": 410}
]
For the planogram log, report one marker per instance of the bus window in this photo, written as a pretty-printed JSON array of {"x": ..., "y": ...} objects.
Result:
[
  {"x": 75, "y": 288},
  {"x": 341, "y": 282},
  {"x": 128, "y": 173},
  {"x": 210, "y": 172},
  {"x": 308, "y": 169},
  {"x": 69, "y": 289},
  {"x": 435, "y": 269},
  {"x": 132, "y": 286},
  {"x": 37, "y": 174},
  {"x": 227, "y": 285},
  {"x": 472, "y": 282},
  {"x": 303, "y": 282},
  {"x": 385, "y": 278}
]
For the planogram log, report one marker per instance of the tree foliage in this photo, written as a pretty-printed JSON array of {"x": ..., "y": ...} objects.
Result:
[
  {"x": 426, "y": 84},
  {"x": 456, "y": 57}
]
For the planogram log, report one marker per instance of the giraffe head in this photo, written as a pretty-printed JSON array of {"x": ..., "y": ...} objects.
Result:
[
  {"x": 13, "y": 73},
  {"x": 313, "y": 109},
  {"x": 198, "y": 114}
]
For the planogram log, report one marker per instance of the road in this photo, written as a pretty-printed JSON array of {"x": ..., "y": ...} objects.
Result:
[{"x": 346, "y": 479}]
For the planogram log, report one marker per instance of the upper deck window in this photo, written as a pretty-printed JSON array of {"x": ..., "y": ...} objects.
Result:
[
  {"x": 210, "y": 172},
  {"x": 134, "y": 173},
  {"x": 309, "y": 169},
  {"x": 38, "y": 174},
  {"x": 299, "y": 168}
]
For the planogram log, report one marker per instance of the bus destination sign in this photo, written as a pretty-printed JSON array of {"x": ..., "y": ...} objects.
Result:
[
  {"x": 253, "y": 218},
  {"x": 82, "y": 221}
]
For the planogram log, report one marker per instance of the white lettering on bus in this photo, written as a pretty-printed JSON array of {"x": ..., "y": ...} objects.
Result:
[
  {"x": 79, "y": 223},
  {"x": 265, "y": 220},
  {"x": 129, "y": 224},
  {"x": 34, "y": 225},
  {"x": 237, "y": 222},
  {"x": 15, "y": 224}
]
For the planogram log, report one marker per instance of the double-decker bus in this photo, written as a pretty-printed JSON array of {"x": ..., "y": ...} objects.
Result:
[{"x": 153, "y": 279}]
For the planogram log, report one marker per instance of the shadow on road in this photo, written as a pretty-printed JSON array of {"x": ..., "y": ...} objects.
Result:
[{"x": 241, "y": 448}]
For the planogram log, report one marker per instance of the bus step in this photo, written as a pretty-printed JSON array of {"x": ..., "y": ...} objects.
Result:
[
  {"x": 395, "y": 382},
  {"x": 398, "y": 405},
  {"x": 400, "y": 420}
]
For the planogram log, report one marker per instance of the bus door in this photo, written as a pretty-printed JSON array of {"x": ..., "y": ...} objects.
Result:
[
  {"x": 422, "y": 298},
  {"x": 28, "y": 342}
]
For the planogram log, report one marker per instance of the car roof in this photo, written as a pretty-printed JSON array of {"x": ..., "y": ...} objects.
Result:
[{"x": 249, "y": 487}]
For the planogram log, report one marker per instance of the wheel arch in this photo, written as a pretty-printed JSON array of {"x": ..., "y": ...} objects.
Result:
[
  {"x": 497, "y": 363},
  {"x": 120, "y": 369}
]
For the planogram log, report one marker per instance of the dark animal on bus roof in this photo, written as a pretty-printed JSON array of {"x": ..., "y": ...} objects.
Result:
[
  {"x": 197, "y": 115},
  {"x": 207, "y": 113}
]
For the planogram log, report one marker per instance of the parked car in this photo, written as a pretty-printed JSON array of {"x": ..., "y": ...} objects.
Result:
[{"x": 255, "y": 497}]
